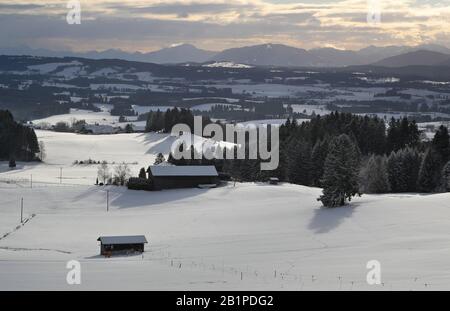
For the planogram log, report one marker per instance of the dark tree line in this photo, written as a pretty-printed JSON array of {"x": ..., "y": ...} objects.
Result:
[
  {"x": 348, "y": 154},
  {"x": 17, "y": 142},
  {"x": 164, "y": 121}
]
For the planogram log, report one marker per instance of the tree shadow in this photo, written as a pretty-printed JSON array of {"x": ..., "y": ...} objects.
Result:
[
  {"x": 115, "y": 256},
  {"x": 92, "y": 190},
  {"x": 122, "y": 198},
  {"x": 132, "y": 199},
  {"x": 328, "y": 219},
  {"x": 20, "y": 166},
  {"x": 162, "y": 145}
]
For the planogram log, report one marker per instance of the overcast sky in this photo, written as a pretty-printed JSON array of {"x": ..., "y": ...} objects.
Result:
[{"x": 146, "y": 25}]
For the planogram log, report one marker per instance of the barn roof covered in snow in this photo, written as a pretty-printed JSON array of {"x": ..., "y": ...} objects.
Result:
[
  {"x": 134, "y": 239},
  {"x": 191, "y": 170}
]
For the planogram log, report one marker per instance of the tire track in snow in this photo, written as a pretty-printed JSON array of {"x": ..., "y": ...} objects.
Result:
[
  {"x": 34, "y": 249},
  {"x": 20, "y": 226}
]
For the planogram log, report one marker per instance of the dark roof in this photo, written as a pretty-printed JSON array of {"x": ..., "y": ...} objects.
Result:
[
  {"x": 190, "y": 170},
  {"x": 134, "y": 239}
]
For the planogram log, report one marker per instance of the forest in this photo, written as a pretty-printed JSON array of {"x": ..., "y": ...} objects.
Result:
[
  {"x": 349, "y": 155},
  {"x": 17, "y": 142}
]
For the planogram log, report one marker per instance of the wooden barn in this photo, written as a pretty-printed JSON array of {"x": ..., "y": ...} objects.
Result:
[
  {"x": 172, "y": 177},
  {"x": 111, "y": 245}
]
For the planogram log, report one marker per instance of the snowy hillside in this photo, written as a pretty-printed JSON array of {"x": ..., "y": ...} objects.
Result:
[
  {"x": 63, "y": 149},
  {"x": 277, "y": 237},
  {"x": 245, "y": 237}
]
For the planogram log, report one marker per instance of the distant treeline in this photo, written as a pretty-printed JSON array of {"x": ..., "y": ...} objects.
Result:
[
  {"x": 37, "y": 102},
  {"x": 17, "y": 142},
  {"x": 164, "y": 121}
]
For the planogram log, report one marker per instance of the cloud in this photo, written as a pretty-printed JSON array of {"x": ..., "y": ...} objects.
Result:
[
  {"x": 180, "y": 8},
  {"x": 20, "y": 7},
  {"x": 216, "y": 24}
]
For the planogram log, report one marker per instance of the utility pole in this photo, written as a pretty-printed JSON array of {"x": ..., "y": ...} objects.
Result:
[
  {"x": 107, "y": 200},
  {"x": 21, "y": 211}
]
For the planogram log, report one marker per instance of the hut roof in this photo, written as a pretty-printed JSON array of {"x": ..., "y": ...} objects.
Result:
[
  {"x": 190, "y": 170},
  {"x": 135, "y": 239}
]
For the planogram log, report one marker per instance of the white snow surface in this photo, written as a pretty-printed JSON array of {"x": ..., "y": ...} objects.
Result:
[
  {"x": 226, "y": 65},
  {"x": 278, "y": 237},
  {"x": 63, "y": 149},
  {"x": 237, "y": 237},
  {"x": 102, "y": 118}
]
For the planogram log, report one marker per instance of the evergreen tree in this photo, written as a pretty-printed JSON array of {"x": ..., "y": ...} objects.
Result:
[
  {"x": 318, "y": 157},
  {"x": 403, "y": 170},
  {"x": 159, "y": 159},
  {"x": 374, "y": 176},
  {"x": 402, "y": 133},
  {"x": 441, "y": 143},
  {"x": 430, "y": 171},
  {"x": 16, "y": 141},
  {"x": 299, "y": 162},
  {"x": 143, "y": 173},
  {"x": 340, "y": 179},
  {"x": 446, "y": 177},
  {"x": 129, "y": 128}
]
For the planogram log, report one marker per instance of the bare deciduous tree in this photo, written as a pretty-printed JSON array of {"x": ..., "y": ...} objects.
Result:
[
  {"x": 103, "y": 172},
  {"x": 121, "y": 173},
  {"x": 42, "y": 152}
]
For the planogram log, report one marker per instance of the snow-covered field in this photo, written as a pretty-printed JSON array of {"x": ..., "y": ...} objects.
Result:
[
  {"x": 102, "y": 118},
  {"x": 277, "y": 237},
  {"x": 236, "y": 237},
  {"x": 63, "y": 149}
]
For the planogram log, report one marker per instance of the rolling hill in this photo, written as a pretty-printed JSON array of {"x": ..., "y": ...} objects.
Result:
[
  {"x": 417, "y": 58},
  {"x": 238, "y": 237},
  {"x": 269, "y": 55}
]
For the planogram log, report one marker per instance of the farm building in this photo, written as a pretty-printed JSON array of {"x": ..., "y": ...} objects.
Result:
[
  {"x": 172, "y": 177},
  {"x": 110, "y": 245}
]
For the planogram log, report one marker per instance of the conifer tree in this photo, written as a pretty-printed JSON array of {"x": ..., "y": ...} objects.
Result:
[
  {"x": 142, "y": 173},
  {"x": 441, "y": 143},
  {"x": 159, "y": 159},
  {"x": 446, "y": 177},
  {"x": 299, "y": 162},
  {"x": 340, "y": 179},
  {"x": 374, "y": 176},
  {"x": 318, "y": 157},
  {"x": 403, "y": 170},
  {"x": 430, "y": 171}
]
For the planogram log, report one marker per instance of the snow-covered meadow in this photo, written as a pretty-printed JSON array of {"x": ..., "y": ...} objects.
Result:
[
  {"x": 235, "y": 237},
  {"x": 63, "y": 149},
  {"x": 251, "y": 236}
]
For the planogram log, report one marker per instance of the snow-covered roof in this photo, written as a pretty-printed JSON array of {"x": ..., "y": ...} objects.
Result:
[
  {"x": 191, "y": 170},
  {"x": 134, "y": 239}
]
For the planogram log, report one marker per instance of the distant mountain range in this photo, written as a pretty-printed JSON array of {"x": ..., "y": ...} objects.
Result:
[
  {"x": 417, "y": 58},
  {"x": 268, "y": 55}
]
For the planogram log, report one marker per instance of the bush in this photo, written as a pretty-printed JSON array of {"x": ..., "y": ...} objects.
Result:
[
  {"x": 140, "y": 184},
  {"x": 62, "y": 127}
]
